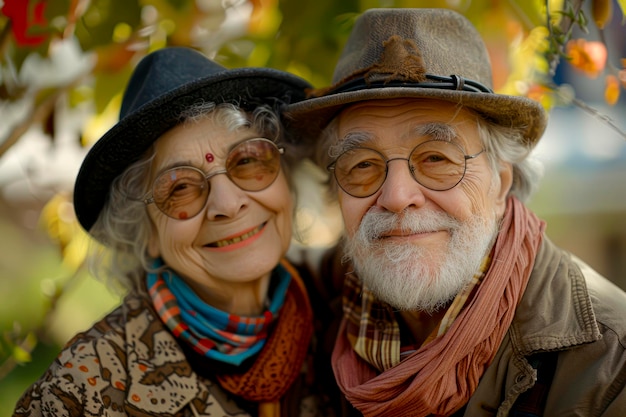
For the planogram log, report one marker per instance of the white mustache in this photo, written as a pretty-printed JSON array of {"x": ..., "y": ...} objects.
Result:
[{"x": 376, "y": 224}]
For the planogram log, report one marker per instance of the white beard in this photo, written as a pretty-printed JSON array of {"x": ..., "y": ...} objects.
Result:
[{"x": 400, "y": 274}]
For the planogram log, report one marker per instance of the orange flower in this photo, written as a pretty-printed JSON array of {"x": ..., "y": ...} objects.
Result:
[
  {"x": 536, "y": 92},
  {"x": 588, "y": 57}
]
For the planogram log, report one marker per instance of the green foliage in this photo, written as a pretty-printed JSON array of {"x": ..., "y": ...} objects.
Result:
[
  {"x": 575, "y": 16},
  {"x": 97, "y": 25},
  {"x": 109, "y": 82},
  {"x": 622, "y": 5}
]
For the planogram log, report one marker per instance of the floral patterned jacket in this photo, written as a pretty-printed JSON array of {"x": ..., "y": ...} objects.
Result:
[{"x": 129, "y": 364}]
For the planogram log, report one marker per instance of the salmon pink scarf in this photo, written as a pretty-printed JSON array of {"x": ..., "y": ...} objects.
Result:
[{"x": 440, "y": 377}]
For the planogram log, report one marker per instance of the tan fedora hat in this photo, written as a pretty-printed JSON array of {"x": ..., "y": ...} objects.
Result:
[{"x": 420, "y": 53}]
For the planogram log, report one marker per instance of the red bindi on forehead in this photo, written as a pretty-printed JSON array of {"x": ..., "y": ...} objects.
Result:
[{"x": 209, "y": 157}]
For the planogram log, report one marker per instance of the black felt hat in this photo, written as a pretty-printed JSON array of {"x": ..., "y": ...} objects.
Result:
[
  {"x": 162, "y": 85},
  {"x": 416, "y": 53}
]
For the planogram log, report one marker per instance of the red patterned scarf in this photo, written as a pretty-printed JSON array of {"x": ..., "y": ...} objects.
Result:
[
  {"x": 281, "y": 357},
  {"x": 440, "y": 377}
]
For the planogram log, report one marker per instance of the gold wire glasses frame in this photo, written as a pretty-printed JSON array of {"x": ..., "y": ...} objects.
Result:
[
  {"x": 435, "y": 164},
  {"x": 183, "y": 191}
]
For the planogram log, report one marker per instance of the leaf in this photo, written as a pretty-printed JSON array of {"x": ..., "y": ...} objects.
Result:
[
  {"x": 611, "y": 90},
  {"x": 602, "y": 11},
  {"x": 178, "y": 19},
  {"x": 59, "y": 13},
  {"x": 113, "y": 57},
  {"x": 265, "y": 18},
  {"x": 77, "y": 250},
  {"x": 60, "y": 222},
  {"x": 622, "y": 5},
  {"x": 22, "y": 353},
  {"x": 58, "y": 217},
  {"x": 107, "y": 85},
  {"x": 99, "y": 123},
  {"x": 532, "y": 13},
  {"x": 311, "y": 36},
  {"x": 98, "y": 23}
]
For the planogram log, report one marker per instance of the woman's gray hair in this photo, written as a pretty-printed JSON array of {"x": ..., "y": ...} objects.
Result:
[
  {"x": 502, "y": 145},
  {"x": 124, "y": 226}
]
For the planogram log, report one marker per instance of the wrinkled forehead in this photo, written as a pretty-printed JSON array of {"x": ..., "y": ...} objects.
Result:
[
  {"x": 204, "y": 144},
  {"x": 382, "y": 121}
]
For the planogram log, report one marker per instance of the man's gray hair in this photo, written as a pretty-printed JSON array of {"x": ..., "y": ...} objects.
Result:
[{"x": 505, "y": 144}]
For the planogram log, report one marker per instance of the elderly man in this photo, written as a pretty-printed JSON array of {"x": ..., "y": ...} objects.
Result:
[{"x": 454, "y": 300}]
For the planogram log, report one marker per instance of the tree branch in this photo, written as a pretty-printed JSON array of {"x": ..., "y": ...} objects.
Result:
[{"x": 37, "y": 115}]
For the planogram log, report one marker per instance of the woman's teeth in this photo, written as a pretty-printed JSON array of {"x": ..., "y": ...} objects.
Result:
[{"x": 226, "y": 242}]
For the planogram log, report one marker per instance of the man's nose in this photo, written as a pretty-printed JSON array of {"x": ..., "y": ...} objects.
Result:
[{"x": 400, "y": 190}]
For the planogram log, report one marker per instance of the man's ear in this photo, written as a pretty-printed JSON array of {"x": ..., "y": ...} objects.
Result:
[{"x": 506, "y": 181}]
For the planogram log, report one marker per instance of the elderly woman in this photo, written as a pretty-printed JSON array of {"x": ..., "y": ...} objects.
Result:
[{"x": 189, "y": 193}]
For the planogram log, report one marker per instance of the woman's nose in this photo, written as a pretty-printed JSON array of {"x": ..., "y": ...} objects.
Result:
[{"x": 225, "y": 199}]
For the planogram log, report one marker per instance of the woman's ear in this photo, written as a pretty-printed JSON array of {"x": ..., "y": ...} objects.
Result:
[{"x": 154, "y": 247}]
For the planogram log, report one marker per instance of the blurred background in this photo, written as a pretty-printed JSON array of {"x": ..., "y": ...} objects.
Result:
[{"x": 64, "y": 65}]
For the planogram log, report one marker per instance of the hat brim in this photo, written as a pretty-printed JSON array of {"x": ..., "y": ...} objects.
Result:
[
  {"x": 113, "y": 153},
  {"x": 510, "y": 111}
]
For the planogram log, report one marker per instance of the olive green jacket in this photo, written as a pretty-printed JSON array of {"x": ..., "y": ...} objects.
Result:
[{"x": 570, "y": 309}]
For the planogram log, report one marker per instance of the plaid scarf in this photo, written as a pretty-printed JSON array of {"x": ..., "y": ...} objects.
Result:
[
  {"x": 381, "y": 346},
  {"x": 213, "y": 333},
  {"x": 282, "y": 352},
  {"x": 439, "y": 377}
]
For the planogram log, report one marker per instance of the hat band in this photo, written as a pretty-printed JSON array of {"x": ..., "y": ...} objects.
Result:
[{"x": 453, "y": 82}]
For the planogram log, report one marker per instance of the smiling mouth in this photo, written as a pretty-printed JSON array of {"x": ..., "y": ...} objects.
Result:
[
  {"x": 237, "y": 239},
  {"x": 407, "y": 233}
]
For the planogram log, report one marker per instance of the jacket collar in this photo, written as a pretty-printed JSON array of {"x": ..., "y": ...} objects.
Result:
[{"x": 556, "y": 292}]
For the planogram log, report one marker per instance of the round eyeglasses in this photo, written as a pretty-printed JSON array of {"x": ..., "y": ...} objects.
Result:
[
  {"x": 182, "y": 192},
  {"x": 435, "y": 164}
]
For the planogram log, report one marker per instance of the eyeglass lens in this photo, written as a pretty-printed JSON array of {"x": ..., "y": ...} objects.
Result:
[
  {"x": 182, "y": 192},
  {"x": 435, "y": 164}
]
